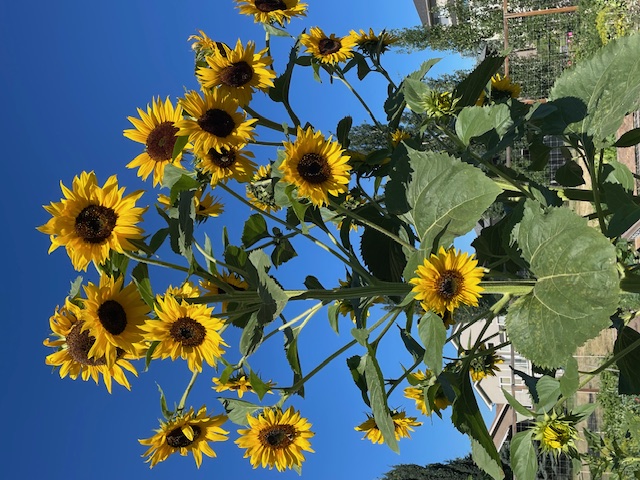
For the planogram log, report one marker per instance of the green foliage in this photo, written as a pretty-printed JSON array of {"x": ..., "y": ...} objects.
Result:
[{"x": 457, "y": 469}]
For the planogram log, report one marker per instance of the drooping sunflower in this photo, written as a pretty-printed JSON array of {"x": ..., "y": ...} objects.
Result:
[
  {"x": 372, "y": 43},
  {"x": 235, "y": 282},
  {"x": 446, "y": 280},
  {"x": 157, "y": 131},
  {"x": 401, "y": 423},
  {"x": 502, "y": 88},
  {"x": 485, "y": 364},
  {"x": 203, "y": 43},
  {"x": 276, "y": 439},
  {"x": 238, "y": 383},
  {"x": 272, "y": 11},
  {"x": 185, "y": 330},
  {"x": 206, "y": 204},
  {"x": 238, "y": 72},
  {"x": 328, "y": 49},
  {"x": 318, "y": 167},
  {"x": 91, "y": 220},
  {"x": 419, "y": 380},
  {"x": 73, "y": 345},
  {"x": 556, "y": 435},
  {"x": 260, "y": 191},
  {"x": 189, "y": 432},
  {"x": 226, "y": 163},
  {"x": 216, "y": 122},
  {"x": 114, "y": 316}
]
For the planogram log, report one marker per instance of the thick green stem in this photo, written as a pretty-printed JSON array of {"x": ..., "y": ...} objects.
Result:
[{"x": 187, "y": 390}]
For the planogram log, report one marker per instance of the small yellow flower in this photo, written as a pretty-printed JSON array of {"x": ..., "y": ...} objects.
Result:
[
  {"x": 206, "y": 204},
  {"x": 502, "y": 88},
  {"x": 398, "y": 136},
  {"x": 238, "y": 383},
  {"x": 485, "y": 364},
  {"x": 401, "y": 423},
  {"x": 419, "y": 380},
  {"x": 556, "y": 435}
]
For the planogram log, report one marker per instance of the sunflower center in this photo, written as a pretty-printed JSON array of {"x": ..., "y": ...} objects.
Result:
[
  {"x": 498, "y": 94},
  {"x": 327, "y": 46},
  {"x": 160, "y": 142},
  {"x": 270, "y": 5},
  {"x": 449, "y": 284},
  {"x": 188, "y": 332},
  {"x": 95, "y": 223},
  {"x": 217, "y": 122},
  {"x": 224, "y": 159},
  {"x": 112, "y": 317},
  {"x": 177, "y": 439},
  {"x": 314, "y": 168},
  {"x": 237, "y": 74},
  {"x": 277, "y": 436},
  {"x": 79, "y": 343}
]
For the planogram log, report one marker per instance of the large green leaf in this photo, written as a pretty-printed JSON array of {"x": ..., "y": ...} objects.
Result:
[
  {"x": 608, "y": 84},
  {"x": 524, "y": 457},
  {"x": 447, "y": 197},
  {"x": 433, "y": 334},
  {"x": 629, "y": 383},
  {"x": 576, "y": 289},
  {"x": 378, "y": 396},
  {"x": 272, "y": 295},
  {"x": 476, "y": 121},
  {"x": 469, "y": 89}
]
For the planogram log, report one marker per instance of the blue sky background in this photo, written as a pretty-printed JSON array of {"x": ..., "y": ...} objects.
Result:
[{"x": 71, "y": 74}]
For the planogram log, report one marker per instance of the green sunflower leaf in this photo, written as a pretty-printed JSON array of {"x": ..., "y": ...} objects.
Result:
[
  {"x": 181, "y": 142},
  {"x": 282, "y": 252},
  {"x": 291, "y": 352},
  {"x": 356, "y": 366},
  {"x": 433, "y": 334},
  {"x": 576, "y": 289},
  {"x": 628, "y": 139},
  {"x": 476, "y": 121},
  {"x": 608, "y": 84},
  {"x": 237, "y": 410},
  {"x": 524, "y": 456},
  {"x": 255, "y": 229},
  {"x": 251, "y": 336},
  {"x": 469, "y": 89},
  {"x": 258, "y": 385},
  {"x": 447, "y": 197},
  {"x": 629, "y": 382},
  {"x": 381, "y": 413},
  {"x": 140, "y": 275},
  {"x": 272, "y": 295}
]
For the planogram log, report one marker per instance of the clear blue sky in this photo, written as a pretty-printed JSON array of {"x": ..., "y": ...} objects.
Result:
[{"x": 71, "y": 74}]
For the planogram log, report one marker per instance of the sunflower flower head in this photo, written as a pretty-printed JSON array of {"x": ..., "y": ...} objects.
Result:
[
  {"x": 502, "y": 89},
  {"x": 72, "y": 346},
  {"x": 260, "y": 191},
  {"x": 185, "y": 330},
  {"x": 157, "y": 131},
  {"x": 421, "y": 381},
  {"x": 439, "y": 106},
  {"x": 446, "y": 280},
  {"x": 372, "y": 43},
  {"x": 226, "y": 163},
  {"x": 401, "y": 423},
  {"x": 214, "y": 122},
  {"x": 92, "y": 220},
  {"x": 276, "y": 439},
  {"x": 238, "y": 72},
  {"x": 317, "y": 166},
  {"x": 272, "y": 11},
  {"x": 329, "y": 49},
  {"x": 484, "y": 363},
  {"x": 233, "y": 282},
  {"x": 206, "y": 204},
  {"x": 557, "y": 435},
  {"x": 187, "y": 432},
  {"x": 204, "y": 44},
  {"x": 238, "y": 383},
  {"x": 398, "y": 136}
]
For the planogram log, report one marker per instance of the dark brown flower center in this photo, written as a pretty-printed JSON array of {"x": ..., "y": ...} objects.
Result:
[
  {"x": 224, "y": 159},
  {"x": 177, "y": 439},
  {"x": 278, "y": 436},
  {"x": 449, "y": 284},
  {"x": 112, "y": 317},
  {"x": 95, "y": 223},
  {"x": 237, "y": 74},
  {"x": 327, "y": 46},
  {"x": 217, "y": 122},
  {"x": 160, "y": 142},
  {"x": 314, "y": 168},
  {"x": 79, "y": 343},
  {"x": 188, "y": 332},
  {"x": 270, "y": 5}
]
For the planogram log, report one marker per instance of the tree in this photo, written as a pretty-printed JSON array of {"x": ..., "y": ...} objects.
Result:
[{"x": 459, "y": 469}]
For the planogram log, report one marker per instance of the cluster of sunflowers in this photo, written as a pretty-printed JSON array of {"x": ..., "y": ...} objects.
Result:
[{"x": 98, "y": 332}]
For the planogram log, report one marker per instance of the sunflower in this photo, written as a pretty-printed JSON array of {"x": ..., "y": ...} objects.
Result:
[
  {"x": 502, "y": 88},
  {"x": 185, "y": 330},
  {"x": 260, "y": 191},
  {"x": 188, "y": 432},
  {"x": 186, "y": 290},
  {"x": 73, "y": 346},
  {"x": 216, "y": 122},
  {"x": 237, "y": 383},
  {"x": 237, "y": 72},
  {"x": 91, "y": 221},
  {"x": 276, "y": 438},
  {"x": 420, "y": 380},
  {"x": 556, "y": 435},
  {"x": 447, "y": 280},
  {"x": 157, "y": 131},
  {"x": 371, "y": 43},
  {"x": 401, "y": 423},
  {"x": 328, "y": 49},
  {"x": 272, "y": 11},
  {"x": 226, "y": 163},
  {"x": 235, "y": 282},
  {"x": 202, "y": 43},
  {"x": 316, "y": 166},
  {"x": 206, "y": 205},
  {"x": 114, "y": 316},
  {"x": 398, "y": 136},
  {"x": 486, "y": 363},
  {"x": 439, "y": 106}
]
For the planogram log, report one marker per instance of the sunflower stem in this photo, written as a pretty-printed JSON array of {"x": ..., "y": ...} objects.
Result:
[
  {"x": 265, "y": 122},
  {"x": 159, "y": 263},
  {"x": 340, "y": 76},
  {"x": 187, "y": 390},
  {"x": 510, "y": 288}
]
